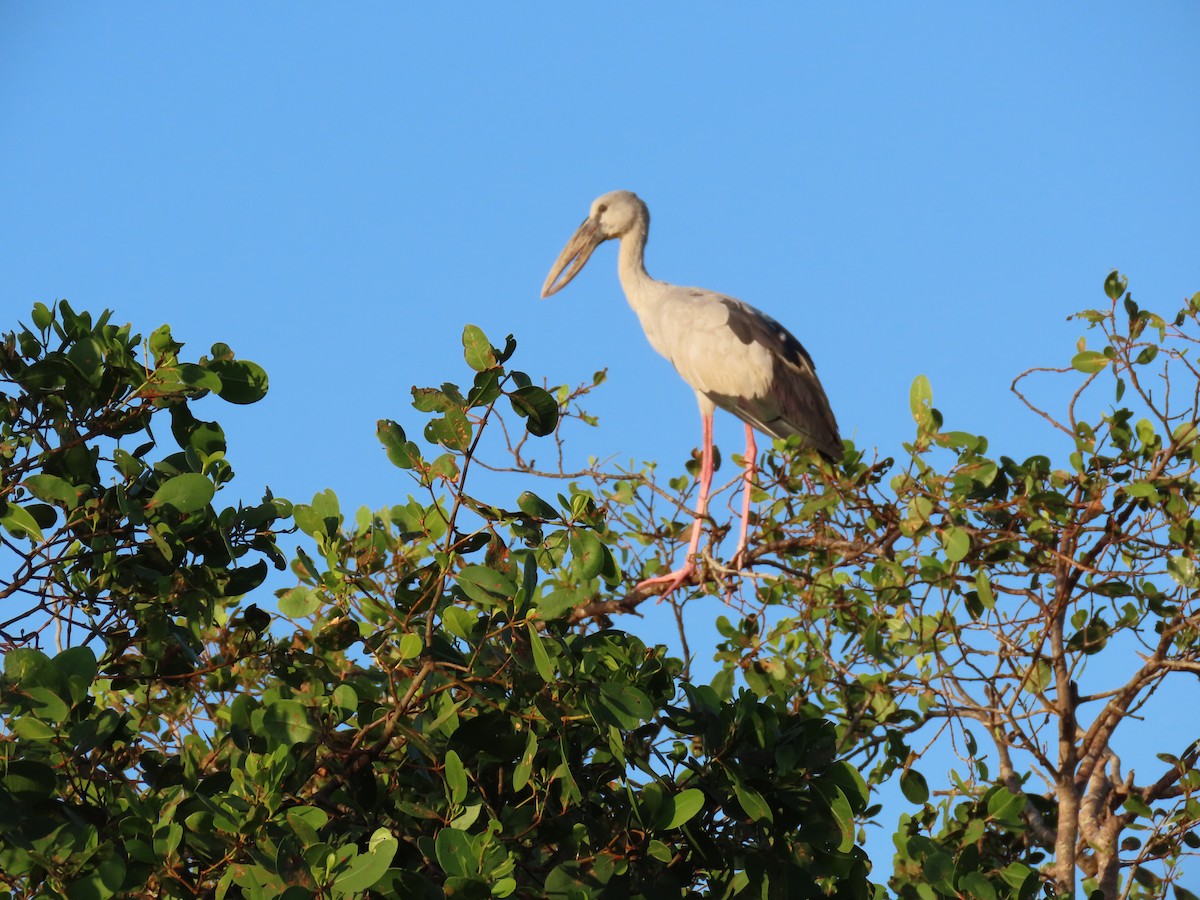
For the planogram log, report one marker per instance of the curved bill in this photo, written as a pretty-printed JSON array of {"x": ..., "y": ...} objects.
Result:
[{"x": 573, "y": 257}]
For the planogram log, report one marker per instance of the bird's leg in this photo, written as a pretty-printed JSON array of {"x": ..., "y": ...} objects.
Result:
[
  {"x": 676, "y": 578},
  {"x": 750, "y": 461}
]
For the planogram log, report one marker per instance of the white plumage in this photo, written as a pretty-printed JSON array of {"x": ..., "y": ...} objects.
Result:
[{"x": 734, "y": 356}]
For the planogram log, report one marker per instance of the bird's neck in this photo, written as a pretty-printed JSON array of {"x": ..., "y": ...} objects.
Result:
[{"x": 631, "y": 261}]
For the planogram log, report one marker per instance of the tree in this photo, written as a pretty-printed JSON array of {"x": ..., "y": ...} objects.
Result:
[
  {"x": 413, "y": 722},
  {"x": 1021, "y": 612},
  {"x": 1024, "y": 612},
  {"x": 442, "y": 703}
]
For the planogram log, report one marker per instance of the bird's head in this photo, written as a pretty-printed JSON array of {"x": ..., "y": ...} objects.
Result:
[{"x": 613, "y": 215}]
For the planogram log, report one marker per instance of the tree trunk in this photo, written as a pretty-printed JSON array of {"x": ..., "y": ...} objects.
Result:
[{"x": 1068, "y": 836}]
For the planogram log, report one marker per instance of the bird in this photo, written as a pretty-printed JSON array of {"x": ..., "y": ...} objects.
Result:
[{"x": 735, "y": 357}]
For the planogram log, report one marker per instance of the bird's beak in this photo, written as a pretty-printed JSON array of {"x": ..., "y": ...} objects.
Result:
[{"x": 573, "y": 257}]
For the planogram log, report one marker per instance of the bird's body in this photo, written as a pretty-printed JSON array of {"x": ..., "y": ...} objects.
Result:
[
  {"x": 743, "y": 362},
  {"x": 734, "y": 356}
]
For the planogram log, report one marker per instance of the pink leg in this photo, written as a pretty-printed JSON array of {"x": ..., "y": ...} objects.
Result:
[
  {"x": 679, "y": 576},
  {"x": 750, "y": 460}
]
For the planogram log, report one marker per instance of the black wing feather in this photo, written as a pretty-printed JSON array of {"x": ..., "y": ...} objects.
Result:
[{"x": 796, "y": 402}]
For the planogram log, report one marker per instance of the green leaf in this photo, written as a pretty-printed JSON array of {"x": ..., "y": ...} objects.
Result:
[
  {"x": 956, "y": 542},
  {"x": 300, "y": 602},
  {"x": 485, "y": 389},
  {"x": 660, "y": 851},
  {"x": 44, "y": 514},
  {"x": 1016, "y": 874},
  {"x": 588, "y": 553},
  {"x": 242, "y": 381},
  {"x": 628, "y": 704},
  {"x": 32, "y": 729},
  {"x": 468, "y": 817},
  {"x": 88, "y": 357},
  {"x": 541, "y": 659},
  {"x": 47, "y": 704},
  {"x": 477, "y": 349},
  {"x": 452, "y": 430},
  {"x": 984, "y": 587},
  {"x": 455, "y": 853},
  {"x": 1142, "y": 489},
  {"x": 752, "y": 802},
  {"x": 973, "y": 832},
  {"x": 52, "y": 489},
  {"x": 184, "y": 493},
  {"x": 1006, "y": 807},
  {"x": 976, "y": 887},
  {"x": 1135, "y": 804},
  {"x": 533, "y": 505},
  {"x": 287, "y": 721},
  {"x": 401, "y": 452},
  {"x": 345, "y": 697},
  {"x": 1115, "y": 285},
  {"x": 1184, "y": 435},
  {"x": 559, "y": 601},
  {"x": 456, "y": 777},
  {"x": 1182, "y": 570},
  {"x": 1040, "y": 676},
  {"x": 244, "y": 579},
  {"x": 20, "y": 523},
  {"x": 410, "y": 646},
  {"x": 29, "y": 780},
  {"x": 913, "y": 786},
  {"x": 42, "y": 316},
  {"x": 368, "y": 868},
  {"x": 687, "y": 804},
  {"x": 529, "y": 581},
  {"x": 537, "y": 407},
  {"x": 485, "y": 585},
  {"x": 1091, "y": 639},
  {"x": 444, "y": 467},
  {"x": 76, "y": 668},
  {"x": 1145, "y": 432},
  {"x": 844, "y": 816},
  {"x": 27, "y": 667},
  {"x": 322, "y": 517},
  {"x": 459, "y": 621},
  {"x": 524, "y": 767},
  {"x": 206, "y": 438},
  {"x": 920, "y": 400},
  {"x": 199, "y": 377},
  {"x": 1089, "y": 361}
]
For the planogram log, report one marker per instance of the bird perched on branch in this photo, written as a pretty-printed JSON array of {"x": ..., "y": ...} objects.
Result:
[{"x": 734, "y": 356}]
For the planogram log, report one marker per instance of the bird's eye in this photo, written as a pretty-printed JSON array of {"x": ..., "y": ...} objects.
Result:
[{"x": 603, "y": 207}]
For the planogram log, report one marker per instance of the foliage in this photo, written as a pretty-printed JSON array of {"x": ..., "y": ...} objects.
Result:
[
  {"x": 1018, "y": 614},
  {"x": 116, "y": 551},
  {"x": 441, "y": 704},
  {"x": 421, "y": 719}
]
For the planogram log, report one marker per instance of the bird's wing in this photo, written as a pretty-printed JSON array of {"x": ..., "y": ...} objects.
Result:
[
  {"x": 792, "y": 400},
  {"x": 743, "y": 361}
]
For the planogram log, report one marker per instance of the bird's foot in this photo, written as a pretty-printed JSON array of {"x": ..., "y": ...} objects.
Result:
[{"x": 672, "y": 580}]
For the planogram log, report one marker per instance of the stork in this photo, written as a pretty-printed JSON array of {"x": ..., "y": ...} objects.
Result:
[{"x": 734, "y": 356}]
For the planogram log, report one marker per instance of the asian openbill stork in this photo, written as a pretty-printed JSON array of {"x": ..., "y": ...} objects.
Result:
[{"x": 734, "y": 356}]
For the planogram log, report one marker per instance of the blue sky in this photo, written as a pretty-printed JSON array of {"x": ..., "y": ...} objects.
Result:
[{"x": 335, "y": 190}]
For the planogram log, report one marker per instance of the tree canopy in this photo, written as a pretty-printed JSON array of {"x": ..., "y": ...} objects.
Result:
[{"x": 438, "y": 696}]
